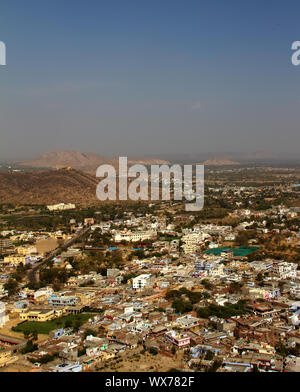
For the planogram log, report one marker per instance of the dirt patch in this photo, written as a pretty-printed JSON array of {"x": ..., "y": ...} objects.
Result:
[
  {"x": 44, "y": 246},
  {"x": 134, "y": 361}
]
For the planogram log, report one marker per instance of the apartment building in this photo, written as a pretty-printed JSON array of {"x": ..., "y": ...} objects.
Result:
[
  {"x": 285, "y": 270},
  {"x": 193, "y": 241}
]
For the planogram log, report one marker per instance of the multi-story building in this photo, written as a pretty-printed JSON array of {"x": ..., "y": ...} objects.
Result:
[
  {"x": 178, "y": 339},
  {"x": 37, "y": 315},
  {"x": 193, "y": 241},
  {"x": 285, "y": 270},
  {"x": 63, "y": 300},
  {"x": 5, "y": 243},
  {"x": 14, "y": 260},
  {"x": 264, "y": 292},
  {"x": 142, "y": 281},
  {"x": 37, "y": 296},
  {"x": 26, "y": 250}
]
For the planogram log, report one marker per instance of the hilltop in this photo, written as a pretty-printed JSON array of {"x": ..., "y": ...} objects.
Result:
[
  {"x": 87, "y": 161},
  {"x": 63, "y": 158}
]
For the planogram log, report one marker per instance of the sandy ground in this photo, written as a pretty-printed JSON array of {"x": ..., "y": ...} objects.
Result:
[
  {"x": 134, "y": 361},
  {"x": 44, "y": 246}
]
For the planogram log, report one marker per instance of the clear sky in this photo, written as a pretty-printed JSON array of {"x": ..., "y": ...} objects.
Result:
[{"x": 141, "y": 77}]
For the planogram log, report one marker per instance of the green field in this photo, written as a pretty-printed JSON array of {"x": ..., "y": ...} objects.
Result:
[
  {"x": 242, "y": 251},
  {"x": 47, "y": 326}
]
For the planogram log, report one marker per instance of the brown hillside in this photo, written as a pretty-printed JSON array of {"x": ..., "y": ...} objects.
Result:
[{"x": 48, "y": 187}]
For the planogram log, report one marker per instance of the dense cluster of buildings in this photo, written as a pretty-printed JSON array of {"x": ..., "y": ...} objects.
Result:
[{"x": 187, "y": 289}]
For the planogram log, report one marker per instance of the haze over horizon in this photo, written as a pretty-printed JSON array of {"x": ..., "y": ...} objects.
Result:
[{"x": 149, "y": 78}]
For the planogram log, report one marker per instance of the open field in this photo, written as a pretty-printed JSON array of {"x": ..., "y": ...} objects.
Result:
[
  {"x": 44, "y": 246},
  {"x": 48, "y": 326}
]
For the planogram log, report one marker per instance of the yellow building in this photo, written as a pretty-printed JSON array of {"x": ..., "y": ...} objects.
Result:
[
  {"x": 14, "y": 259},
  {"x": 257, "y": 292},
  {"x": 59, "y": 312},
  {"x": 26, "y": 250},
  {"x": 43, "y": 314},
  {"x": 38, "y": 315},
  {"x": 238, "y": 265},
  {"x": 83, "y": 298},
  {"x": 265, "y": 348}
]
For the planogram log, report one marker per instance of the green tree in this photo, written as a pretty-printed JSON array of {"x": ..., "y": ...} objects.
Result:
[{"x": 11, "y": 286}]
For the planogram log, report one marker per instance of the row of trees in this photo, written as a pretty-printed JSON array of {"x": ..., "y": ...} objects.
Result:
[{"x": 226, "y": 311}]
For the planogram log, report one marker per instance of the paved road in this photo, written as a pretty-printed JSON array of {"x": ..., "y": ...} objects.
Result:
[{"x": 32, "y": 273}]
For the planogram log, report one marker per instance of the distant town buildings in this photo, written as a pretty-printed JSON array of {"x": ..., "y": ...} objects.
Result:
[{"x": 61, "y": 207}]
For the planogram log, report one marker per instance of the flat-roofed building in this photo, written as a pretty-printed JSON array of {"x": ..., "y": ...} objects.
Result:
[
  {"x": 37, "y": 315},
  {"x": 63, "y": 300}
]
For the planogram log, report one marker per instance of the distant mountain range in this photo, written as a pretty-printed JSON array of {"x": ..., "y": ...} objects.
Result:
[
  {"x": 87, "y": 162},
  {"x": 69, "y": 176},
  {"x": 219, "y": 162},
  {"x": 232, "y": 158}
]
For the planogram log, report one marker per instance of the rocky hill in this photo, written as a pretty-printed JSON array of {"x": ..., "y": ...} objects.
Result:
[
  {"x": 60, "y": 159},
  {"x": 87, "y": 162}
]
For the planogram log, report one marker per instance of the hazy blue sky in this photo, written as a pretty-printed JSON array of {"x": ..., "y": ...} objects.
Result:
[{"x": 140, "y": 77}]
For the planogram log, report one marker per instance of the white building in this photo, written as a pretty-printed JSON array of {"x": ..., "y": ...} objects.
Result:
[
  {"x": 178, "y": 339},
  {"x": 67, "y": 300},
  {"x": 135, "y": 236},
  {"x": 142, "y": 281},
  {"x": 3, "y": 316},
  {"x": 192, "y": 241},
  {"x": 61, "y": 207},
  {"x": 285, "y": 270},
  {"x": 43, "y": 292},
  {"x": 295, "y": 289}
]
